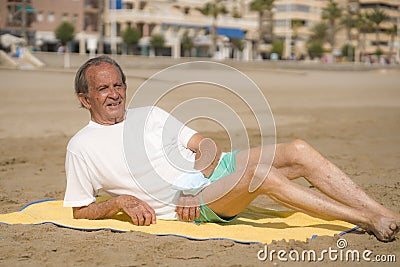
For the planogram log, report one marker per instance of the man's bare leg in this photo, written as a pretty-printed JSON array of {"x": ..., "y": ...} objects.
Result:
[
  {"x": 229, "y": 196},
  {"x": 298, "y": 159}
]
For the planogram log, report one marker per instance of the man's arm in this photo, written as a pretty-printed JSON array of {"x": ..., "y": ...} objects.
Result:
[
  {"x": 207, "y": 157},
  {"x": 139, "y": 211},
  {"x": 207, "y": 152}
]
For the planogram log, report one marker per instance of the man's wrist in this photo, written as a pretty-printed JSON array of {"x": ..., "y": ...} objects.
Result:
[{"x": 120, "y": 200}]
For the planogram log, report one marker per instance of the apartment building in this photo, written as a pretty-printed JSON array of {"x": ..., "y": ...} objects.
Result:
[
  {"x": 14, "y": 20},
  {"x": 293, "y": 21},
  {"x": 44, "y": 16},
  {"x": 173, "y": 18},
  {"x": 392, "y": 10}
]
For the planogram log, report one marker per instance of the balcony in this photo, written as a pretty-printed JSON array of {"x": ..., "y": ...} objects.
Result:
[
  {"x": 91, "y": 6},
  {"x": 124, "y": 15}
]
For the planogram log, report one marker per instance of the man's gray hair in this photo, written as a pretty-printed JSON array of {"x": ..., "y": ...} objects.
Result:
[{"x": 81, "y": 83}]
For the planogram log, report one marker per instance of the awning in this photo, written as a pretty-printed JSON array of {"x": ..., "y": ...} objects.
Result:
[
  {"x": 229, "y": 32},
  {"x": 29, "y": 9},
  {"x": 115, "y": 4}
]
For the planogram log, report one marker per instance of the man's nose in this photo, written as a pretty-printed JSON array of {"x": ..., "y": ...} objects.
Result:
[{"x": 114, "y": 91}]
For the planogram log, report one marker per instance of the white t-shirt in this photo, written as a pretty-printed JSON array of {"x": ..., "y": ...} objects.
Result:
[{"x": 95, "y": 161}]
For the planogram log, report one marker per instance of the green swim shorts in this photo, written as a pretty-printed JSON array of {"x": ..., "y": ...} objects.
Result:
[{"x": 226, "y": 166}]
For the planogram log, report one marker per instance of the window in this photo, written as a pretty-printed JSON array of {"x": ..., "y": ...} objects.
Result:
[
  {"x": 281, "y": 23},
  {"x": 39, "y": 16},
  {"x": 64, "y": 17},
  {"x": 186, "y": 10},
  {"x": 118, "y": 29},
  {"x": 142, "y": 5},
  {"x": 50, "y": 17},
  {"x": 128, "y": 5},
  {"x": 293, "y": 7},
  {"x": 74, "y": 18}
]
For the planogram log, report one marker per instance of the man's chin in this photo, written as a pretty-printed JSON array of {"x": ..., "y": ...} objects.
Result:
[{"x": 116, "y": 115}]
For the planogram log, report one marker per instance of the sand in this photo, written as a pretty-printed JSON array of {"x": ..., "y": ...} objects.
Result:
[{"x": 352, "y": 118}]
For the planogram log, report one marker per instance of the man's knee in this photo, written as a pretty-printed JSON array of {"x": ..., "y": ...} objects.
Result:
[
  {"x": 298, "y": 149},
  {"x": 300, "y": 145}
]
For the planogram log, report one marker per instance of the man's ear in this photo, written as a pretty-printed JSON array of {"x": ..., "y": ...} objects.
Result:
[{"x": 84, "y": 99}]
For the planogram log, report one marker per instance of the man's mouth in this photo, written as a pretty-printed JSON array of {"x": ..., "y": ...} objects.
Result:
[{"x": 114, "y": 104}]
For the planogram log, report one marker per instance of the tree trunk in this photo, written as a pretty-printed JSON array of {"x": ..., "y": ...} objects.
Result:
[
  {"x": 332, "y": 34},
  {"x": 377, "y": 37},
  {"x": 213, "y": 47},
  {"x": 391, "y": 45},
  {"x": 363, "y": 44},
  {"x": 356, "y": 50},
  {"x": 349, "y": 45},
  {"x": 260, "y": 33}
]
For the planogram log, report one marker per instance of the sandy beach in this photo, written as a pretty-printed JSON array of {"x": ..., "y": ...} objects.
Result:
[{"x": 351, "y": 117}]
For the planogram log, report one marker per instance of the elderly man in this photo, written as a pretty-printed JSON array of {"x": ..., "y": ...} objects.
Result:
[{"x": 95, "y": 161}]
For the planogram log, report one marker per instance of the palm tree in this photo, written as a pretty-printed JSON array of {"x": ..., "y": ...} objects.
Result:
[
  {"x": 239, "y": 44},
  {"x": 363, "y": 26},
  {"x": 263, "y": 7},
  {"x": 377, "y": 16},
  {"x": 392, "y": 32},
  {"x": 213, "y": 9},
  {"x": 319, "y": 35},
  {"x": 349, "y": 22},
  {"x": 187, "y": 44},
  {"x": 296, "y": 24},
  {"x": 331, "y": 13}
]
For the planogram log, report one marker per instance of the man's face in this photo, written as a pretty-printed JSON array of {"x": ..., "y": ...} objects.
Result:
[{"x": 107, "y": 94}]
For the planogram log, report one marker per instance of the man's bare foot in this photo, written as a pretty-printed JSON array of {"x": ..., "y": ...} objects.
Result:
[{"x": 385, "y": 229}]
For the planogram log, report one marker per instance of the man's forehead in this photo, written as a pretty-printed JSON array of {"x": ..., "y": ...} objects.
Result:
[
  {"x": 94, "y": 71},
  {"x": 100, "y": 65}
]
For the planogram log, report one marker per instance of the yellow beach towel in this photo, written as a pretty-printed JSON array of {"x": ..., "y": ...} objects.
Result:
[{"x": 254, "y": 225}]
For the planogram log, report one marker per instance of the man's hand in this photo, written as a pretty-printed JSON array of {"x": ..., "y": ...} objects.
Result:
[
  {"x": 188, "y": 208},
  {"x": 139, "y": 211}
]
